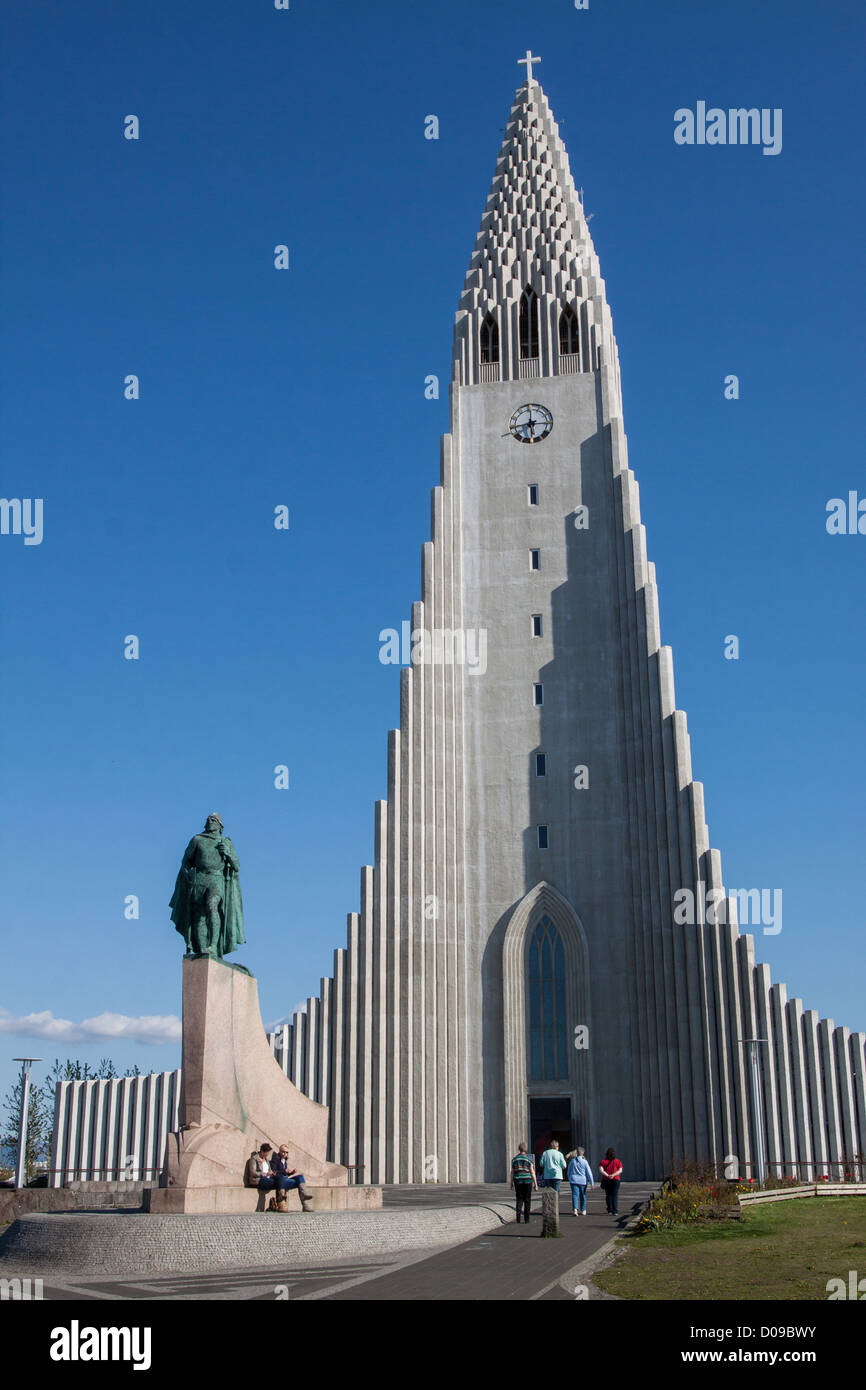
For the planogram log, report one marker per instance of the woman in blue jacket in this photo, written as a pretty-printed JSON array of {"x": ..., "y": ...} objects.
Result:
[{"x": 579, "y": 1175}]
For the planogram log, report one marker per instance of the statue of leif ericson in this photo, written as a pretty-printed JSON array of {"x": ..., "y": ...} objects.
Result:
[{"x": 206, "y": 906}]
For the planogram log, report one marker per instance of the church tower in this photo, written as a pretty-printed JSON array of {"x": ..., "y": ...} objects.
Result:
[{"x": 544, "y": 946}]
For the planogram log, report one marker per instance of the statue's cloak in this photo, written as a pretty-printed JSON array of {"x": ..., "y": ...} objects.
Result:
[
  {"x": 232, "y": 909},
  {"x": 232, "y": 935}
]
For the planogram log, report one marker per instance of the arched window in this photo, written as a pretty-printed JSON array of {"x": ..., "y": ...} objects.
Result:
[
  {"x": 490, "y": 340},
  {"x": 529, "y": 323},
  {"x": 568, "y": 331},
  {"x": 548, "y": 1038}
]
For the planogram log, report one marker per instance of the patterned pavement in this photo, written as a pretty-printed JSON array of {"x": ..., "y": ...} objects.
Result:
[{"x": 510, "y": 1263}]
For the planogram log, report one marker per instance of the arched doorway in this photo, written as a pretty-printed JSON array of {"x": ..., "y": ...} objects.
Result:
[{"x": 548, "y": 1091}]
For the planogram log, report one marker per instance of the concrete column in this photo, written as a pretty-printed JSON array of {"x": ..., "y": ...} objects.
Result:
[
  {"x": 339, "y": 1011},
  {"x": 420, "y": 952},
  {"x": 137, "y": 1122},
  {"x": 378, "y": 1072},
  {"x": 323, "y": 1043},
  {"x": 438, "y": 867},
  {"x": 812, "y": 1056},
  {"x": 113, "y": 1159},
  {"x": 765, "y": 1028},
  {"x": 125, "y": 1118},
  {"x": 684, "y": 860},
  {"x": 351, "y": 1043},
  {"x": 365, "y": 1028},
  {"x": 847, "y": 1108},
  {"x": 735, "y": 1031},
  {"x": 96, "y": 1125},
  {"x": 754, "y": 1114},
  {"x": 830, "y": 1096},
  {"x": 432, "y": 1157},
  {"x": 311, "y": 1028},
  {"x": 298, "y": 1032},
  {"x": 658, "y": 1142},
  {"x": 857, "y": 1053},
  {"x": 645, "y": 1060},
  {"x": 787, "y": 1119},
  {"x": 150, "y": 1140},
  {"x": 800, "y": 1089},
  {"x": 393, "y": 1121},
  {"x": 408, "y": 917}
]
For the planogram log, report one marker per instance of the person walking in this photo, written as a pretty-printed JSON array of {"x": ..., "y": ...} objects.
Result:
[
  {"x": 552, "y": 1165},
  {"x": 580, "y": 1177},
  {"x": 612, "y": 1169},
  {"x": 523, "y": 1181}
]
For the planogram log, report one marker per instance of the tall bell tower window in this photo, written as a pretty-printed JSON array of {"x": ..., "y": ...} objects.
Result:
[
  {"x": 568, "y": 332},
  {"x": 548, "y": 1040},
  {"x": 490, "y": 340},
  {"x": 528, "y": 323}
]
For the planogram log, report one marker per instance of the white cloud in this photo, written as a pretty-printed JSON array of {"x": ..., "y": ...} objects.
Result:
[
  {"x": 287, "y": 1018},
  {"x": 150, "y": 1028}
]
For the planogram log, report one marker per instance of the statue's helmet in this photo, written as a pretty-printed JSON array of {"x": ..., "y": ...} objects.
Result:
[{"x": 214, "y": 816}]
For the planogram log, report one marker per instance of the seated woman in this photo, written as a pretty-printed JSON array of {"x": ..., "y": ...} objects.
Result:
[{"x": 258, "y": 1173}]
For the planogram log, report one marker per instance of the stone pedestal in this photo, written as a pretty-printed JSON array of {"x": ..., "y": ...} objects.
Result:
[
  {"x": 234, "y": 1097},
  {"x": 549, "y": 1211}
]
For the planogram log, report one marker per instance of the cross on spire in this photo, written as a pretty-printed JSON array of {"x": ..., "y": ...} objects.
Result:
[{"x": 527, "y": 62}]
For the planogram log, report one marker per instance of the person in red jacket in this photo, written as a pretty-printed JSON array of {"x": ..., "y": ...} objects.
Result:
[{"x": 612, "y": 1170}]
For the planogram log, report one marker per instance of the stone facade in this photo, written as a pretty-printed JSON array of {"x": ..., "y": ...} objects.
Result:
[
  {"x": 114, "y": 1130},
  {"x": 429, "y": 1043}
]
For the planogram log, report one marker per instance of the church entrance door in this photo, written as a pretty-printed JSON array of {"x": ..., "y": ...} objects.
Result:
[{"x": 549, "y": 1118}]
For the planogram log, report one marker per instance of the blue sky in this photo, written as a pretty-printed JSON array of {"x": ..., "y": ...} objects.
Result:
[{"x": 306, "y": 388}]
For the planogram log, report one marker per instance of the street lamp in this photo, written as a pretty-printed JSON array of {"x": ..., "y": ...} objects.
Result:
[
  {"x": 757, "y": 1107},
  {"x": 20, "y": 1167}
]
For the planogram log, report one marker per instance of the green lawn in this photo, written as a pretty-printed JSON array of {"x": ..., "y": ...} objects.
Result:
[{"x": 783, "y": 1250}]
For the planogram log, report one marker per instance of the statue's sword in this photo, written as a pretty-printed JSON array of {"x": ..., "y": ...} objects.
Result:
[
  {"x": 190, "y": 904},
  {"x": 227, "y": 869}
]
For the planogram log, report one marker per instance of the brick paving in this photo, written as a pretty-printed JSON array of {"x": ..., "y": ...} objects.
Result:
[{"x": 506, "y": 1262}]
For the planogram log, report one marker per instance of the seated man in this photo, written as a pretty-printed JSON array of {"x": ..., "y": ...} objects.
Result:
[{"x": 285, "y": 1178}]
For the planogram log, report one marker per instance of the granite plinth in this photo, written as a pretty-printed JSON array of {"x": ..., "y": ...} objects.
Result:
[
  {"x": 232, "y": 1200},
  {"x": 235, "y": 1096}
]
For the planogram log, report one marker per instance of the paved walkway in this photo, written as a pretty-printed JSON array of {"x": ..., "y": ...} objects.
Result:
[{"x": 509, "y": 1263}]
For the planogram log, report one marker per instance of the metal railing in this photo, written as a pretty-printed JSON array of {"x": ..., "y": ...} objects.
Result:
[{"x": 793, "y": 1169}]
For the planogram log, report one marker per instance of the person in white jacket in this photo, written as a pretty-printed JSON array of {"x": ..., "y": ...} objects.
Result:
[{"x": 579, "y": 1177}]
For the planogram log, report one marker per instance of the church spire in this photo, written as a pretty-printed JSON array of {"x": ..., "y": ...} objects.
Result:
[{"x": 533, "y": 300}]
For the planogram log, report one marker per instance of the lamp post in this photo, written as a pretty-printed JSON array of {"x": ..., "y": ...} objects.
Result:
[
  {"x": 757, "y": 1108},
  {"x": 21, "y": 1167}
]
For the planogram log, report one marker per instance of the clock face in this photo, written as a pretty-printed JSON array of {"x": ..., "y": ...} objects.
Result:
[{"x": 531, "y": 423}]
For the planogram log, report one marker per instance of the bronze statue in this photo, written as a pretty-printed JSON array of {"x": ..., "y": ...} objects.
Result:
[{"x": 206, "y": 906}]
